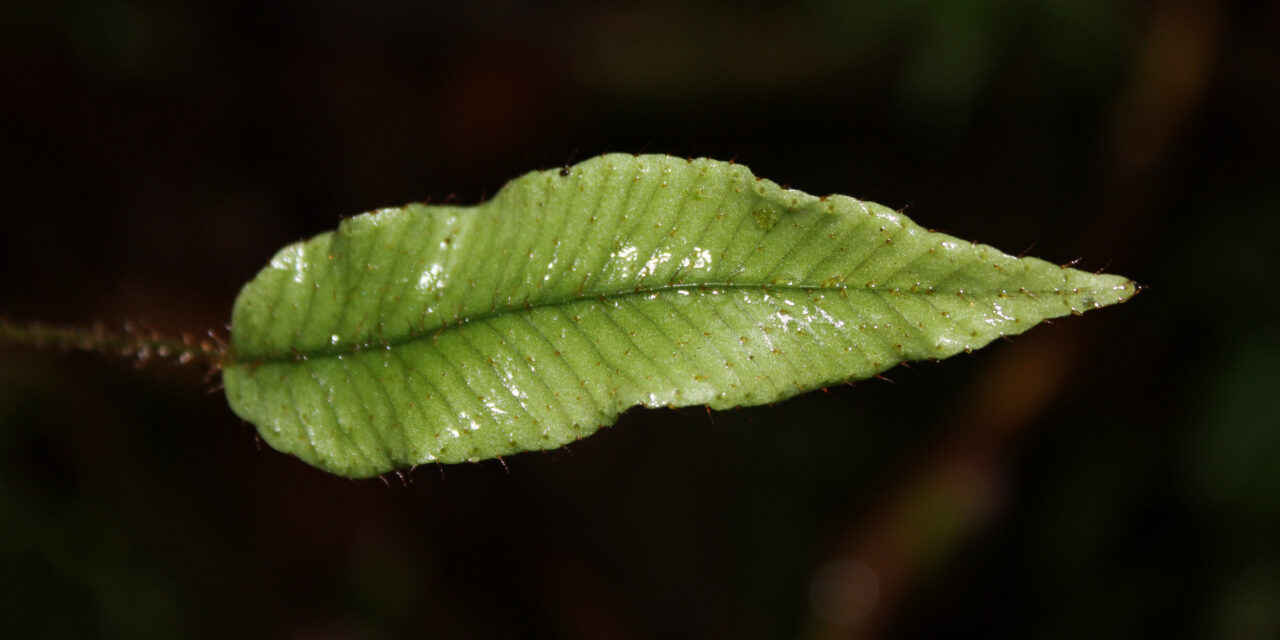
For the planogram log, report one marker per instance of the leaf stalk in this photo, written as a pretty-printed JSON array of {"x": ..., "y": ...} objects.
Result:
[{"x": 134, "y": 342}]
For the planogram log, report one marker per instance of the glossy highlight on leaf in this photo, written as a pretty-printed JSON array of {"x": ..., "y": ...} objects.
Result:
[{"x": 452, "y": 333}]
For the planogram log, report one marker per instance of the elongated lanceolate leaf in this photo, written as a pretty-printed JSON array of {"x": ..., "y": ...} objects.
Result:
[{"x": 447, "y": 333}]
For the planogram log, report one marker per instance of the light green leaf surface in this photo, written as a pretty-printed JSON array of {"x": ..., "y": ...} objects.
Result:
[{"x": 447, "y": 333}]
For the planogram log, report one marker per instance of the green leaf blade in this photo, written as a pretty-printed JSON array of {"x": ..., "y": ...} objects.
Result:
[{"x": 444, "y": 334}]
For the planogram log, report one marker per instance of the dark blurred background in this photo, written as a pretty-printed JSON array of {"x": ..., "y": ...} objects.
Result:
[{"x": 1112, "y": 475}]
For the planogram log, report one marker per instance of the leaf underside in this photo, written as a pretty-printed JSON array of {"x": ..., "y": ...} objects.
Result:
[{"x": 447, "y": 333}]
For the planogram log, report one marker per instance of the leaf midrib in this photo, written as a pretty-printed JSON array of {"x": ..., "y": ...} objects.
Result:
[{"x": 435, "y": 332}]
